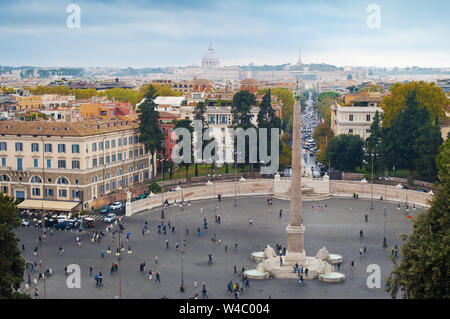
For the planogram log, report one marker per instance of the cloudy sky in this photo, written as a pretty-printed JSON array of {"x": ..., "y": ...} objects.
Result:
[{"x": 139, "y": 33}]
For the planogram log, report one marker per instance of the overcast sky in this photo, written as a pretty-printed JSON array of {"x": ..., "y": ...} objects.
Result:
[{"x": 138, "y": 33}]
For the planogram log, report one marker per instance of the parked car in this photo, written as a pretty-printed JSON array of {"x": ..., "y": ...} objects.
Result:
[
  {"x": 116, "y": 205},
  {"x": 316, "y": 174},
  {"x": 421, "y": 190},
  {"x": 105, "y": 209},
  {"x": 88, "y": 222},
  {"x": 61, "y": 218},
  {"x": 110, "y": 218},
  {"x": 62, "y": 225},
  {"x": 25, "y": 223}
]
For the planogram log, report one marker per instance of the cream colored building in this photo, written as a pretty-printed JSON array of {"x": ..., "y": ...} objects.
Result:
[
  {"x": 353, "y": 119},
  {"x": 70, "y": 161}
]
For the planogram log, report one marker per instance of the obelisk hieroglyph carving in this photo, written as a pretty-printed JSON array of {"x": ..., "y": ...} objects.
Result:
[{"x": 295, "y": 230}]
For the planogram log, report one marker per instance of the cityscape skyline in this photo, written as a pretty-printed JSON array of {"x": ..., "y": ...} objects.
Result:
[{"x": 177, "y": 33}]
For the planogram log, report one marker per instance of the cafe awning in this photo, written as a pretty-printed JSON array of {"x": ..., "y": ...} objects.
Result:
[{"x": 48, "y": 205}]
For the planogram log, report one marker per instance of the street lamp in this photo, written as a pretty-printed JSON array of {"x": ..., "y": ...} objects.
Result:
[
  {"x": 119, "y": 257},
  {"x": 235, "y": 185},
  {"x": 162, "y": 186},
  {"x": 384, "y": 238},
  {"x": 371, "y": 186}
]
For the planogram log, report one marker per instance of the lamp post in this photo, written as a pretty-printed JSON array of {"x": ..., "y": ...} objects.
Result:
[
  {"x": 119, "y": 247},
  {"x": 371, "y": 185},
  {"x": 384, "y": 238},
  {"x": 162, "y": 187},
  {"x": 235, "y": 184}
]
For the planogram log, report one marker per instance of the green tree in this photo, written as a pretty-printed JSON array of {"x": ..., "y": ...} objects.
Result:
[
  {"x": 241, "y": 111},
  {"x": 427, "y": 94},
  {"x": 151, "y": 134},
  {"x": 346, "y": 152},
  {"x": 423, "y": 272},
  {"x": 187, "y": 124},
  {"x": 12, "y": 265},
  {"x": 199, "y": 114},
  {"x": 374, "y": 144},
  {"x": 322, "y": 134},
  {"x": 427, "y": 148},
  {"x": 400, "y": 148}
]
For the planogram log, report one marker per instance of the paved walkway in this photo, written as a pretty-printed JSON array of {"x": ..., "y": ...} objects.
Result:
[{"x": 336, "y": 227}]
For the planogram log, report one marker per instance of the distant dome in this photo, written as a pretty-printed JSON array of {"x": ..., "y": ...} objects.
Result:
[{"x": 210, "y": 60}]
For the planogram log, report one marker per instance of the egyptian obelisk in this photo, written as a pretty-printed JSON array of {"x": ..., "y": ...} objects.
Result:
[{"x": 295, "y": 230}]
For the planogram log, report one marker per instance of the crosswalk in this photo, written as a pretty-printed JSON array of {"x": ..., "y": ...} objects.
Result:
[{"x": 97, "y": 217}]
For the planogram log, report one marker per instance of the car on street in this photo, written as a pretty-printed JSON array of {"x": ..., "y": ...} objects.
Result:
[
  {"x": 105, "y": 209},
  {"x": 316, "y": 174},
  {"x": 25, "y": 223},
  {"x": 116, "y": 205},
  {"x": 110, "y": 218},
  {"x": 421, "y": 190},
  {"x": 64, "y": 225}
]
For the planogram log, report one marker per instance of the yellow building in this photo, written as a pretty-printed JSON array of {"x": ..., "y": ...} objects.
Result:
[{"x": 29, "y": 102}]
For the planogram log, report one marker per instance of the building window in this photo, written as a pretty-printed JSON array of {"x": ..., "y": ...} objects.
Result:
[
  {"x": 130, "y": 154},
  {"x": 3, "y": 161},
  {"x": 5, "y": 189},
  {"x": 49, "y": 163},
  {"x": 94, "y": 147},
  {"x": 141, "y": 151},
  {"x": 211, "y": 119},
  {"x": 63, "y": 180},
  {"x": 3, "y": 146},
  {"x": 102, "y": 189},
  {"x": 75, "y": 164},
  {"x": 94, "y": 162},
  {"x": 75, "y": 148},
  {"x": 113, "y": 185},
  {"x": 62, "y": 193},
  {"x": 136, "y": 139},
  {"x": 146, "y": 175},
  {"x": 36, "y": 192},
  {"x": 367, "y": 131},
  {"x": 100, "y": 146},
  {"x": 19, "y": 164},
  {"x": 107, "y": 187},
  {"x": 113, "y": 143},
  {"x": 119, "y": 156},
  {"x": 101, "y": 161},
  {"x": 61, "y": 148},
  {"x": 4, "y": 178},
  {"x": 113, "y": 158},
  {"x": 107, "y": 145},
  {"x": 75, "y": 193},
  {"x": 36, "y": 180},
  {"x": 49, "y": 192},
  {"x": 61, "y": 163},
  {"x": 107, "y": 159},
  {"x": 35, "y": 162},
  {"x": 19, "y": 146},
  {"x": 350, "y": 131},
  {"x": 34, "y": 147},
  {"x": 368, "y": 117},
  {"x": 130, "y": 140},
  {"x": 48, "y": 148},
  {"x": 350, "y": 117},
  {"x": 124, "y": 141},
  {"x": 119, "y": 142}
]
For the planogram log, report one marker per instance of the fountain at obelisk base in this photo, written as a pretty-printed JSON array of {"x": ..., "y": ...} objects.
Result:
[{"x": 270, "y": 264}]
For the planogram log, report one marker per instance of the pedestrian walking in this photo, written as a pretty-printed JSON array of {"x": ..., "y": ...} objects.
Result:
[
  {"x": 156, "y": 260},
  {"x": 281, "y": 213},
  {"x": 361, "y": 234},
  {"x": 306, "y": 272},
  {"x": 235, "y": 271},
  {"x": 366, "y": 218},
  {"x": 352, "y": 264},
  {"x": 90, "y": 271},
  {"x": 204, "y": 292},
  {"x": 158, "y": 277},
  {"x": 365, "y": 251},
  {"x": 281, "y": 261},
  {"x": 167, "y": 244}
]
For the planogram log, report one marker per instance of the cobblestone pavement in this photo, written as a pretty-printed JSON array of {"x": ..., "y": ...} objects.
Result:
[{"x": 336, "y": 227}]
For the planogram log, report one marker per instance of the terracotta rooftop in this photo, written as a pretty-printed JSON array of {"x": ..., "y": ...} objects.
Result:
[{"x": 84, "y": 128}]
